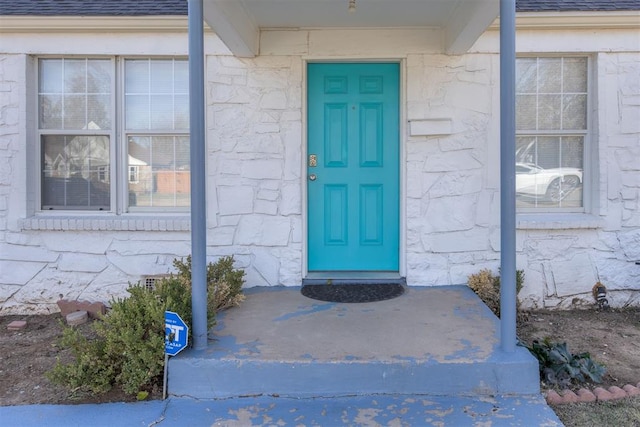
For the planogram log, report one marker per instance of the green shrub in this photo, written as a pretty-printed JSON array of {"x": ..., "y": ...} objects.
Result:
[
  {"x": 126, "y": 347},
  {"x": 91, "y": 370},
  {"x": 224, "y": 283},
  {"x": 487, "y": 287},
  {"x": 558, "y": 366}
]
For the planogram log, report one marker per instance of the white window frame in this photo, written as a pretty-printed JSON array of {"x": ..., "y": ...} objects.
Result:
[
  {"x": 125, "y": 133},
  {"x": 118, "y": 144},
  {"x": 40, "y": 133},
  {"x": 589, "y": 166}
]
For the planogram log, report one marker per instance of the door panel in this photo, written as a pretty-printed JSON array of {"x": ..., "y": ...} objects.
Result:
[{"x": 353, "y": 202}]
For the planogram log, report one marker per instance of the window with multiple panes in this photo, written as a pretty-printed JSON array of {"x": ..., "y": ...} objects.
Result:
[
  {"x": 84, "y": 166},
  {"x": 552, "y": 132}
]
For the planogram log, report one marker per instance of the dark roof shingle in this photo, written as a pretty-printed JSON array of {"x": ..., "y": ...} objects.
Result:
[
  {"x": 93, "y": 7},
  {"x": 575, "y": 5},
  {"x": 179, "y": 7}
]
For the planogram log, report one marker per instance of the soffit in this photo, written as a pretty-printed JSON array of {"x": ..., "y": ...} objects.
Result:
[{"x": 238, "y": 22}]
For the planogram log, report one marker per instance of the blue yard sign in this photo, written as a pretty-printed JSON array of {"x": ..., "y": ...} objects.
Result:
[{"x": 176, "y": 333}]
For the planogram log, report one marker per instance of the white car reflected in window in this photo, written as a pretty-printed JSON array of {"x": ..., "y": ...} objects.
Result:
[{"x": 553, "y": 184}]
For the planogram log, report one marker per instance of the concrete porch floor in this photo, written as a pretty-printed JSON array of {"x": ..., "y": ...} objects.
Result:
[
  {"x": 428, "y": 358},
  {"x": 429, "y": 341}
]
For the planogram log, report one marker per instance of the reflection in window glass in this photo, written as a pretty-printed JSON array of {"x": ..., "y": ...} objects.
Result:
[
  {"x": 74, "y": 94},
  {"x": 75, "y": 172},
  {"x": 155, "y": 94},
  {"x": 551, "y": 123},
  {"x": 80, "y": 133},
  {"x": 157, "y": 99},
  {"x": 162, "y": 171}
]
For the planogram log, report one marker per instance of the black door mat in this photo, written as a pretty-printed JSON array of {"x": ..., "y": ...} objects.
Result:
[{"x": 353, "y": 292}]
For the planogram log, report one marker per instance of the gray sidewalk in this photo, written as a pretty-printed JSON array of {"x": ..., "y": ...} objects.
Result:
[{"x": 393, "y": 411}]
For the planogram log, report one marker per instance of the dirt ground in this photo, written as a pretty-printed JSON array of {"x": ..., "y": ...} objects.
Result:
[{"x": 612, "y": 337}]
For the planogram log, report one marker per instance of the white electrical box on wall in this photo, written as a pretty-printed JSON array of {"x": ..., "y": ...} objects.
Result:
[{"x": 428, "y": 127}]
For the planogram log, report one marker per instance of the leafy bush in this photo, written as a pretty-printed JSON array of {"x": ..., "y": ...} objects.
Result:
[
  {"x": 487, "y": 287},
  {"x": 126, "y": 347},
  {"x": 224, "y": 283},
  {"x": 558, "y": 366},
  {"x": 91, "y": 370}
]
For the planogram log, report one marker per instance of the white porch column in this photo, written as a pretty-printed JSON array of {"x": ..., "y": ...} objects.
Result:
[
  {"x": 198, "y": 178},
  {"x": 507, "y": 175}
]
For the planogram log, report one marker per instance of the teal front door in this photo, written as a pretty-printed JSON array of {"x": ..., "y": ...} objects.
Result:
[{"x": 353, "y": 167}]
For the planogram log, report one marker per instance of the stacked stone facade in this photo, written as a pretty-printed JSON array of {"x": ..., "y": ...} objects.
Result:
[{"x": 256, "y": 177}]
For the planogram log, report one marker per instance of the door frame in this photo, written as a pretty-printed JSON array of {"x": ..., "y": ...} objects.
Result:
[{"x": 402, "y": 135}]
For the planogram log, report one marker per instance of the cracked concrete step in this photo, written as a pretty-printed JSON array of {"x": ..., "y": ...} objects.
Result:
[{"x": 428, "y": 341}]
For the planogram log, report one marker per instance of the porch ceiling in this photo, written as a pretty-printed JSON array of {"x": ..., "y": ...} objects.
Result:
[{"x": 239, "y": 22}]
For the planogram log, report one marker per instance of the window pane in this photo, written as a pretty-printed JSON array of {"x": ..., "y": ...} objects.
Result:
[
  {"x": 181, "y": 69},
  {"x": 572, "y": 151},
  {"x": 75, "y": 76},
  {"x": 526, "y": 112},
  {"x": 162, "y": 171},
  {"x": 74, "y": 94},
  {"x": 50, "y": 111},
  {"x": 162, "y": 112},
  {"x": 182, "y": 112},
  {"x": 547, "y": 152},
  {"x": 549, "y": 171},
  {"x": 526, "y": 72},
  {"x": 574, "y": 114},
  {"x": 549, "y": 167},
  {"x": 137, "y": 76},
  {"x": 50, "y": 76},
  {"x": 98, "y": 111},
  {"x": 160, "y": 85},
  {"x": 98, "y": 76},
  {"x": 575, "y": 75},
  {"x": 183, "y": 153},
  {"x": 549, "y": 109},
  {"x": 75, "y": 107},
  {"x": 526, "y": 149},
  {"x": 75, "y": 172},
  {"x": 550, "y": 75},
  {"x": 161, "y": 76},
  {"x": 136, "y": 111}
]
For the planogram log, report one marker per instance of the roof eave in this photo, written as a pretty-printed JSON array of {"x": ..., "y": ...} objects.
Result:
[
  {"x": 575, "y": 20},
  {"x": 52, "y": 24}
]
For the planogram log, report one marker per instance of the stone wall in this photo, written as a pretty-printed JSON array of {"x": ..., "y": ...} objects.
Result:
[
  {"x": 568, "y": 255},
  {"x": 254, "y": 145},
  {"x": 255, "y": 180},
  {"x": 452, "y": 199}
]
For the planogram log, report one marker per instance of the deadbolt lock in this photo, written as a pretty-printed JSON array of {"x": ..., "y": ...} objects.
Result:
[{"x": 313, "y": 160}]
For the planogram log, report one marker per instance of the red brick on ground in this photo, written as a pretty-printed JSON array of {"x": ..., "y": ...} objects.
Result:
[
  {"x": 617, "y": 392},
  {"x": 570, "y": 397},
  {"x": 586, "y": 395},
  {"x": 602, "y": 394},
  {"x": 631, "y": 390},
  {"x": 95, "y": 309},
  {"x": 17, "y": 325},
  {"x": 554, "y": 398}
]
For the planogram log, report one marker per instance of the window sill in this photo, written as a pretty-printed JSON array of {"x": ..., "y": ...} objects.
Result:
[
  {"x": 128, "y": 222},
  {"x": 557, "y": 221}
]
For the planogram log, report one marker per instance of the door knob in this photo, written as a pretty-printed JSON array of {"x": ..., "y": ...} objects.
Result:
[{"x": 312, "y": 177}]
